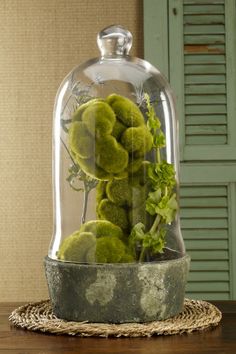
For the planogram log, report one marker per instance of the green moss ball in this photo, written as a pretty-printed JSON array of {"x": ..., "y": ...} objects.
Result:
[
  {"x": 80, "y": 141},
  {"x": 99, "y": 118},
  {"x": 113, "y": 213},
  {"x": 78, "y": 247},
  {"x": 77, "y": 115},
  {"x": 126, "y": 110},
  {"x": 109, "y": 250},
  {"x": 118, "y": 191},
  {"x": 110, "y": 155},
  {"x": 90, "y": 168},
  {"x": 118, "y": 129},
  {"x": 102, "y": 228},
  {"x": 137, "y": 139}
]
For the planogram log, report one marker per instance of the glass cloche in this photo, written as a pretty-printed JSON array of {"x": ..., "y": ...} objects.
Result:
[
  {"x": 117, "y": 253},
  {"x": 116, "y": 165}
]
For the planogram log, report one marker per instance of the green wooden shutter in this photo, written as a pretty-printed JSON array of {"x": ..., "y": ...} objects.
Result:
[{"x": 193, "y": 44}]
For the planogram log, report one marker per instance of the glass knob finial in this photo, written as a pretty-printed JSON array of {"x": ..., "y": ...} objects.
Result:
[{"x": 114, "y": 41}]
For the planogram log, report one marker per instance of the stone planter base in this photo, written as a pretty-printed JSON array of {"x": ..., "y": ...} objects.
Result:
[{"x": 117, "y": 293}]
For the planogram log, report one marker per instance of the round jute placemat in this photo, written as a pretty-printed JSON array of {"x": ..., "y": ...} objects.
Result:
[{"x": 38, "y": 316}]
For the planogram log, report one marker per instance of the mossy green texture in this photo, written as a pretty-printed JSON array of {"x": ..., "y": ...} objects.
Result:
[
  {"x": 78, "y": 247},
  {"x": 97, "y": 241},
  {"x": 102, "y": 228},
  {"x": 110, "y": 155},
  {"x": 83, "y": 147},
  {"x": 109, "y": 250},
  {"x": 126, "y": 110},
  {"x": 119, "y": 192},
  {"x": 109, "y": 138},
  {"x": 137, "y": 139},
  {"x": 113, "y": 213},
  {"x": 99, "y": 118}
]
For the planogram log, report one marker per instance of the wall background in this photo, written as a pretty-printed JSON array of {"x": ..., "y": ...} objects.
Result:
[{"x": 40, "y": 42}]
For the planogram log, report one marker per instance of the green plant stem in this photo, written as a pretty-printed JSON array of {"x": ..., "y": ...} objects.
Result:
[
  {"x": 155, "y": 224},
  {"x": 142, "y": 254},
  {"x": 158, "y": 154}
]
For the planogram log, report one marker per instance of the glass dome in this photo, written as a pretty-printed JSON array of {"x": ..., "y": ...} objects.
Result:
[{"x": 116, "y": 165}]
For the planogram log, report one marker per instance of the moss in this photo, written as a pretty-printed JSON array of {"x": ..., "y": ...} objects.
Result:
[
  {"x": 77, "y": 115},
  {"x": 118, "y": 129},
  {"x": 99, "y": 118},
  {"x": 126, "y": 110},
  {"x": 102, "y": 228},
  {"x": 110, "y": 155},
  {"x": 127, "y": 258},
  {"x": 113, "y": 213},
  {"x": 78, "y": 247},
  {"x": 109, "y": 250},
  {"x": 80, "y": 141},
  {"x": 89, "y": 166},
  {"x": 100, "y": 191},
  {"x": 134, "y": 164},
  {"x": 118, "y": 191},
  {"x": 137, "y": 139}
]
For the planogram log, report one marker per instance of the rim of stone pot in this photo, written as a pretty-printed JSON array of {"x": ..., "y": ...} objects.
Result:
[{"x": 118, "y": 265}]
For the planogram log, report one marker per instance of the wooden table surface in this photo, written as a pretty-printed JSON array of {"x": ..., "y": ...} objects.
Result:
[{"x": 220, "y": 340}]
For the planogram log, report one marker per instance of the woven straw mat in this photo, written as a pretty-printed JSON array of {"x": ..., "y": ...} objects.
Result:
[{"x": 38, "y": 316}]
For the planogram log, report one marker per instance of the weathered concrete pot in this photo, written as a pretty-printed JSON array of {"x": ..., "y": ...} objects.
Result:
[{"x": 117, "y": 293}]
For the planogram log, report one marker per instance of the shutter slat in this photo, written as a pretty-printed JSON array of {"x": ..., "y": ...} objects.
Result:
[
  {"x": 204, "y": 19},
  {"x": 205, "y": 79},
  {"x": 208, "y": 286},
  {"x": 206, "y": 245},
  {"x": 205, "y": 120},
  {"x": 208, "y": 296},
  {"x": 202, "y": 29},
  {"x": 209, "y": 276},
  {"x": 204, "y": 202},
  {"x": 202, "y": 233},
  {"x": 205, "y": 89},
  {"x": 206, "y": 109},
  {"x": 204, "y": 59},
  {"x": 204, "y": 223},
  {"x": 205, "y": 69},
  {"x": 204, "y": 9},
  {"x": 207, "y": 255},
  {"x": 206, "y": 140},
  {"x": 203, "y": 49},
  {"x": 204, "y": 39},
  {"x": 208, "y": 265},
  {"x": 203, "y": 191},
  {"x": 205, "y": 213},
  {"x": 205, "y": 99},
  {"x": 206, "y": 130}
]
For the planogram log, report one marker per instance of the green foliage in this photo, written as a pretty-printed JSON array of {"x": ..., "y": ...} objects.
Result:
[
  {"x": 147, "y": 241},
  {"x": 161, "y": 175},
  {"x": 161, "y": 201}
]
